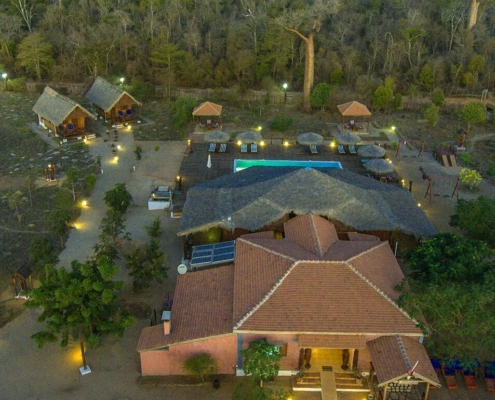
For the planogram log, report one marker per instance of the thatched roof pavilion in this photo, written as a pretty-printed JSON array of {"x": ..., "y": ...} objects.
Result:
[
  {"x": 62, "y": 115},
  {"x": 354, "y": 109},
  {"x": 109, "y": 99},
  {"x": 208, "y": 109},
  {"x": 256, "y": 197}
]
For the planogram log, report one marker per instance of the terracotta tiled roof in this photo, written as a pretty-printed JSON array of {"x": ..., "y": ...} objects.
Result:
[
  {"x": 311, "y": 233},
  {"x": 362, "y": 237},
  {"x": 152, "y": 337},
  {"x": 354, "y": 109},
  {"x": 326, "y": 297},
  {"x": 393, "y": 357},
  {"x": 207, "y": 109},
  {"x": 343, "y": 250},
  {"x": 259, "y": 235},
  {"x": 202, "y": 308},
  {"x": 380, "y": 267},
  {"x": 332, "y": 341},
  {"x": 256, "y": 271},
  {"x": 285, "y": 247}
]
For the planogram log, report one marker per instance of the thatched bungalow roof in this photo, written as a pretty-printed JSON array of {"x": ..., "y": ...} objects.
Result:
[
  {"x": 105, "y": 95},
  {"x": 55, "y": 108},
  {"x": 354, "y": 109},
  {"x": 207, "y": 109},
  {"x": 253, "y": 198}
]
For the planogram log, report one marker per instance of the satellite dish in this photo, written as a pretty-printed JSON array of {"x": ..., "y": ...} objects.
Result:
[{"x": 182, "y": 269}]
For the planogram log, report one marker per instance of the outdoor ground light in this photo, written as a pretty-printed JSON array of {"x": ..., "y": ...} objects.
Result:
[
  {"x": 393, "y": 128},
  {"x": 286, "y": 143},
  {"x": 419, "y": 204},
  {"x": 115, "y": 158},
  {"x": 128, "y": 127},
  {"x": 84, "y": 203},
  {"x": 239, "y": 142},
  {"x": 122, "y": 80},
  {"x": 188, "y": 142},
  {"x": 118, "y": 147},
  {"x": 260, "y": 128},
  {"x": 332, "y": 144},
  {"x": 262, "y": 143}
]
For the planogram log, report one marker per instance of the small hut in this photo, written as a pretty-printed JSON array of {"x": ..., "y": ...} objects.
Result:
[
  {"x": 63, "y": 116},
  {"x": 20, "y": 276},
  {"x": 208, "y": 115},
  {"x": 113, "y": 103},
  {"x": 352, "y": 110},
  {"x": 402, "y": 367}
]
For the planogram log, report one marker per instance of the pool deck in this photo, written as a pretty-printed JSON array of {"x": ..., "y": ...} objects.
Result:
[{"x": 194, "y": 170}]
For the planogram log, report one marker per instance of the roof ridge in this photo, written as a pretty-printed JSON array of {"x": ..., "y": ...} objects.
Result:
[
  {"x": 316, "y": 238},
  {"x": 381, "y": 244},
  {"x": 266, "y": 297},
  {"x": 379, "y": 291},
  {"x": 403, "y": 352},
  {"x": 267, "y": 249},
  {"x": 54, "y": 93},
  {"x": 277, "y": 284}
]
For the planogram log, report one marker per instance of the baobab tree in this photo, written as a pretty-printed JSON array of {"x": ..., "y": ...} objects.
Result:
[
  {"x": 305, "y": 22},
  {"x": 473, "y": 12}
]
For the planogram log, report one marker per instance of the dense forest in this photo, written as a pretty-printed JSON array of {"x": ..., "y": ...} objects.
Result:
[{"x": 423, "y": 44}]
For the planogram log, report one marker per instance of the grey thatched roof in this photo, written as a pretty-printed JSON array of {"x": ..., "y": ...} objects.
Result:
[
  {"x": 217, "y": 136},
  {"x": 371, "y": 151},
  {"x": 380, "y": 166},
  {"x": 347, "y": 138},
  {"x": 56, "y": 108},
  {"x": 249, "y": 137},
  {"x": 309, "y": 138},
  {"x": 105, "y": 95},
  {"x": 255, "y": 197}
]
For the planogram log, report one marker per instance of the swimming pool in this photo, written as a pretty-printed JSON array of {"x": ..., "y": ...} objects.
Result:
[{"x": 239, "y": 164}]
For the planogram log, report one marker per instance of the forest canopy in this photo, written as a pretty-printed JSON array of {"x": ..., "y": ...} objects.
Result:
[{"x": 219, "y": 43}]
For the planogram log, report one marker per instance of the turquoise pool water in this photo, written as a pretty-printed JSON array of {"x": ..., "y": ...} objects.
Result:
[{"x": 239, "y": 165}]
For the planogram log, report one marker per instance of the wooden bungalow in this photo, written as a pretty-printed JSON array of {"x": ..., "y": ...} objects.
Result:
[
  {"x": 63, "y": 116},
  {"x": 113, "y": 103}
]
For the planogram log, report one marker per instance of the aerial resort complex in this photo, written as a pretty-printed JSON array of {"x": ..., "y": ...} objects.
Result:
[{"x": 247, "y": 200}]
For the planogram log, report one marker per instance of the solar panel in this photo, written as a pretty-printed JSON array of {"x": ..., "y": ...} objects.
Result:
[{"x": 210, "y": 254}]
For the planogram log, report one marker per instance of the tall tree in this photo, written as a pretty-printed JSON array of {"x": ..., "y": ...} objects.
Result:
[
  {"x": 35, "y": 54},
  {"x": 26, "y": 9},
  {"x": 80, "y": 304},
  {"x": 118, "y": 198},
  {"x": 473, "y": 12},
  {"x": 261, "y": 361},
  {"x": 476, "y": 217},
  {"x": 301, "y": 18}
]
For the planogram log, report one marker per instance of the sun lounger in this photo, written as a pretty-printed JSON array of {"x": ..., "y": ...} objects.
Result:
[
  {"x": 469, "y": 379},
  {"x": 212, "y": 147},
  {"x": 244, "y": 148},
  {"x": 223, "y": 148},
  {"x": 340, "y": 149},
  {"x": 254, "y": 148},
  {"x": 313, "y": 149},
  {"x": 352, "y": 149}
]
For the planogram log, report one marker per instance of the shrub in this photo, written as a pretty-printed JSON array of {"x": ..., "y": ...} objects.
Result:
[
  {"x": 17, "y": 85},
  {"x": 438, "y": 97},
  {"x": 156, "y": 148},
  {"x": 200, "y": 365},
  {"x": 394, "y": 145},
  {"x": 470, "y": 177},
  {"x": 431, "y": 113},
  {"x": 490, "y": 171},
  {"x": 397, "y": 102},
  {"x": 236, "y": 120},
  {"x": 281, "y": 123},
  {"x": 466, "y": 158},
  {"x": 142, "y": 90},
  {"x": 90, "y": 181}
]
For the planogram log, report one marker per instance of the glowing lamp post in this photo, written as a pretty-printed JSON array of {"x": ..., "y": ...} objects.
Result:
[
  {"x": 285, "y": 86},
  {"x": 122, "y": 81},
  {"x": 4, "y": 76}
]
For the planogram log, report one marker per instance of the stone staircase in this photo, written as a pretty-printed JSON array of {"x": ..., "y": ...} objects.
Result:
[{"x": 347, "y": 382}]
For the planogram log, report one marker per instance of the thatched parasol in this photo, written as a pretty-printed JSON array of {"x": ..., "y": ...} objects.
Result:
[
  {"x": 217, "y": 137},
  {"x": 347, "y": 138},
  {"x": 371, "y": 151},
  {"x": 249, "y": 137},
  {"x": 309, "y": 138},
  {"x": 380, "y": 166}
]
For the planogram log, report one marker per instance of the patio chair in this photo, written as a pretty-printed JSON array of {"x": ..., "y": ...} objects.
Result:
[
  {"x": 449, "y": 375},
  {"x": 208, "y": 122},
  {"x": 215, "y": 125},
  {"x": 212, "y": 147},
  {"x": 223, "y": 147},
  {"x": 435, "y": 363},
  {"x": 254, "y": 148},
  {"x": 489, "y": 375},
  {"x": 61, "y": 130},
  {"x": 244, "y": 148},
  {"x": 352, "y": 149},
  {"x": 313, "y": 149},
  {"x": 340, "y": 149},
  {"x": 70, "y": 129}
]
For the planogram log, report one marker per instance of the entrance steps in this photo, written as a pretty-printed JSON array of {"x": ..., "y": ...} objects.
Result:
[{"x": 347, "y": 382}]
